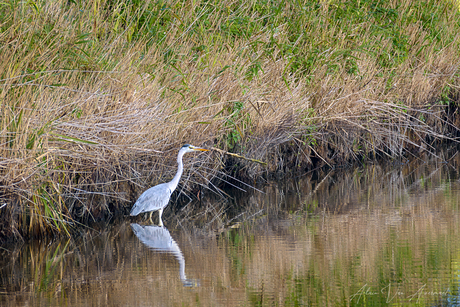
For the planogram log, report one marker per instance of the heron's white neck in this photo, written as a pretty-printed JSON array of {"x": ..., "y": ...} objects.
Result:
[{"x": 180, "y": 169}]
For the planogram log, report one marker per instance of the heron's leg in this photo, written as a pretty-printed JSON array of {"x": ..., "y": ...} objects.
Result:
[
  {"x": 151, "y": 212},
  {"x": 161, "y": 212}
]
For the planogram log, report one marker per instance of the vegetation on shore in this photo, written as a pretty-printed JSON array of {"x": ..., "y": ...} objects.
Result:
[{"x": 97, "y": 97}]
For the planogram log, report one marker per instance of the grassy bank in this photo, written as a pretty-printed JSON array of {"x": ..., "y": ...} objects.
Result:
[{"x": 97, "y": 97}]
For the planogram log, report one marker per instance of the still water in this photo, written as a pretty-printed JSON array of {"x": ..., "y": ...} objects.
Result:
[{"x": 376, "y": 235}]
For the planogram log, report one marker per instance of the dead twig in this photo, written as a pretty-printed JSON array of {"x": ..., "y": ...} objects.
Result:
[{"x": 238, "y": 156}]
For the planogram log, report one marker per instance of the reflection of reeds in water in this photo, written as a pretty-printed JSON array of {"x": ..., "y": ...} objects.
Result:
[{"x": 318, "y": 240}]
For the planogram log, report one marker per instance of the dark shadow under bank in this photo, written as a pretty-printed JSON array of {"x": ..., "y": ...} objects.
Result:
[{"x": 339, "y": 144}]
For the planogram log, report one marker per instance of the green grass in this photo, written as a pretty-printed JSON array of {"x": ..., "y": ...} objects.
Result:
[{"x": 96, "y": 96}]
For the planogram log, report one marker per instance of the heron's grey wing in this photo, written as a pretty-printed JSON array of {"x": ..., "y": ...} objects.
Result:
[{"x": 153, "y": 199}]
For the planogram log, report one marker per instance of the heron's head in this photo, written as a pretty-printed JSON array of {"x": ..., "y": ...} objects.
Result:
[{"x": 190, "y": 148}]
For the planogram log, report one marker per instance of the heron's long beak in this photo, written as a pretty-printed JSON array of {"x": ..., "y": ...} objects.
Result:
[{"x": 200, "y": 149}]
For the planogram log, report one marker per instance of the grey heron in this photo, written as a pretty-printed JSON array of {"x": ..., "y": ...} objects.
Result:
[{"x": 157, "y": 198}]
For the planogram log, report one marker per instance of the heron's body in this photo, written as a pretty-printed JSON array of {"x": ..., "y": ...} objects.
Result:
[{"x": 157, "y": 198}]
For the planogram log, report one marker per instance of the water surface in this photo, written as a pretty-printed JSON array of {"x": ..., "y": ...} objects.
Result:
[{"x": 368, "y": 236}]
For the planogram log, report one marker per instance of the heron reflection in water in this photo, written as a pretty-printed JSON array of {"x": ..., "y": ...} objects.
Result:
[
  {"x": 157, "y": 198},
  {"x": 159, "y": 239}
]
